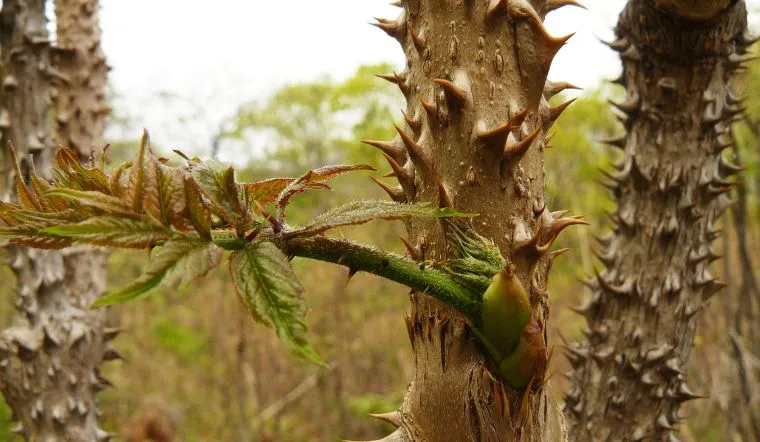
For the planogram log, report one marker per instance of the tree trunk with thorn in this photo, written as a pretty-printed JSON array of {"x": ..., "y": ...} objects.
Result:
[
  {"x": 629, "y": 377},
  {"x": 476, "y": 121},
  {"x": 49, "y": 357}
]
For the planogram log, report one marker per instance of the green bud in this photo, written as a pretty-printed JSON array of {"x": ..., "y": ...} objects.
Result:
[
  {"x": 528, "y": 359},
  {"x": 505, "y": 312}
]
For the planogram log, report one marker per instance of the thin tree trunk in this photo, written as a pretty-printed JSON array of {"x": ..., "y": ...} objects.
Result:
[
  {"x": 50, "y": 355},
  {"x": 629, "y": 374},
  {"x": 475, "y": 135}
]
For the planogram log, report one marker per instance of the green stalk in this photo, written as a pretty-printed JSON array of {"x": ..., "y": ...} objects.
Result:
[{"x": 387, "y": 265}]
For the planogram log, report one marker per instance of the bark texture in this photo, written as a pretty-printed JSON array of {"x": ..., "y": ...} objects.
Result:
[
  {"x": 670, "y": 186},
  {"x": 50, "y": 355},
  {"x": 476, "y": 120}
]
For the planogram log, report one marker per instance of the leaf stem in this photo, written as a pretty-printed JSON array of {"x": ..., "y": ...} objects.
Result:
[{"x": 397, "y": 268}]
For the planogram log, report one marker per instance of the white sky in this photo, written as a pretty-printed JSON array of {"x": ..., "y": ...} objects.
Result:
[{"x": 223, "y": 53}]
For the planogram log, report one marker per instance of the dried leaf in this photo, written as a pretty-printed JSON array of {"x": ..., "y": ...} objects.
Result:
[
  {"x": 177, "y": 262},
  {"x": 30, "y": 237},
  {"x": 270, "y": 291}
]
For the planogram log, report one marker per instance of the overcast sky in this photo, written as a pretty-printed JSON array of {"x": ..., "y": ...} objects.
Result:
[{"x": 223, "y": 53}]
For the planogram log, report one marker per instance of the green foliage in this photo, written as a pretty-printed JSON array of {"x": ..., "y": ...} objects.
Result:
[
  {"x": 188, "y": 215},
  {"x": 272, "y": 294},
  {"x": 175, "y": 263}
]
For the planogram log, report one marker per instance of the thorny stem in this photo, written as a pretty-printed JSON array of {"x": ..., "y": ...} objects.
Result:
[{"x": 397, "y": 268}]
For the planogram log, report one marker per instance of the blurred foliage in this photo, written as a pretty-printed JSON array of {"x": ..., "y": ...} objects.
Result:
[{"x": 195, "y": 359}]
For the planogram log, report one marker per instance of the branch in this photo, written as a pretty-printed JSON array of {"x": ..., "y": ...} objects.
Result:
[{"x": 387, "y": 265}]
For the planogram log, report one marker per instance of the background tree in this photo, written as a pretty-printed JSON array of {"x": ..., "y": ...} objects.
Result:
[
  {"x": 50, "y": 356},
  {"x": 670, "y": 185}
]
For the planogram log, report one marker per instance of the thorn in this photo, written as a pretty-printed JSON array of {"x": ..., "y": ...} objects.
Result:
[
  {"x": 523, "y": 9},
  {"x": 414, "y": 125},
  {"x": 395, "y": 192},
  {"x": 556, "y": 111},
  {"x": 454, "y": 93},
  {"x": 418, "y": 39},
  {"x": 111, "y": 354},
  {"x": 444, "y": 200},
  {"x": 393, "y": 418},
  {"x": 496, "y": 138},
  {"x": 387, "y": 147},
  {"x": 414, "y": 149},
  {"x": 617, "y": 142},
  {"x": 110, "y": 333},
  {"x": 430, "y": 108},
  {"x": 404, "y": 177},
  {"x": 553, "y": 88},
  {"x": 559, "y": 252},
  {"x": 629, "y": 106},
  {"x": 391, "y": 27},
  {"x": 621, "y": 44},
  {"x": 517, "y": 150},
  {"x": 397, "y": 80},
  {"x": 552, "y": 5},
  {"x": 351, "y": 273},
  {"x": 414, "y": 252},
  {"x": 497, "y": 7}
]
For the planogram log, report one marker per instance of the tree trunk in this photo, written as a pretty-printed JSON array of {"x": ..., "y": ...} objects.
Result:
[
  {"x": 49, "y": 357},
  {"x": 629, "y": 373},
  {"x": 476, "y": 124}
]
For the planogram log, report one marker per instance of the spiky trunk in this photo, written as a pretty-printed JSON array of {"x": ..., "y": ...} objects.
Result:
[
  {"x": 476, "y": 120},
  {"x": 50, "y": 355},
  {"x": 629, "y": 374}
]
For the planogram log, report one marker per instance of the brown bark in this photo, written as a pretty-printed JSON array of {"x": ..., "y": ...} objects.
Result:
[
  {"x": 629, "y": 374},
  {"x": 475, "y": 134},
  {"x": 50, "y": 355}
]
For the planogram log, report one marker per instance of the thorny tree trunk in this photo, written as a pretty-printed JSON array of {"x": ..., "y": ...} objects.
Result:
[
  {"x": 49, "y": 357},
  {"x": 629, "y": 374},
  {"x": 475, "y": 134},
  {"x": 745, "y": 418}
]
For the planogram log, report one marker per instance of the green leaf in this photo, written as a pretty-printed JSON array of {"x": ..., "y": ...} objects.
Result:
[
  {"x": 217, "y": 181},
  {"x": 112, "y": 232},
  {"x": 176, "y": 263},
  {"x": 360, "y": 212},
  {"x": 270, "y": 291}
]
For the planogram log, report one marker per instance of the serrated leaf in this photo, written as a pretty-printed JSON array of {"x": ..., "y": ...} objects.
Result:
[
  {"x": 360, "y": 212},
  {"x": 312, "y": 180},
  {"x": 217, "y": 182},
  {"x": 114, "y": 182},
  {"x": 270, "y": 291},
  {"x": 76, "y": 175},
  {"x": 112, "y": 232},
  {"x": 28, "y": 198},
  {"x": 136, "y": 183},
  {"x": 265, "y": 192},
  {"x": 106, "y": 203},
  {"x": 30, "y": 237},
  {"x": 200, "y": 217},
  {"x": 176, "y": 263}
]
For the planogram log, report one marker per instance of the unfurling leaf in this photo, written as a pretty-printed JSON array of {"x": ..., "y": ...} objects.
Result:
[
  {"x": 270, "y": 291},
  {"x": 111, "y": 232},
  {"x": 360, "y": 212},
  {"x": 217, "y": 182},
  {"x": 136, "y": 184},
  {"x": 200, "y": 217},
  {"x": 30, "y": 237},
  {"x": 312, "y": 180},
  {"x": 109, "y": 204},
  {"x": 176, "y": 263}
]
